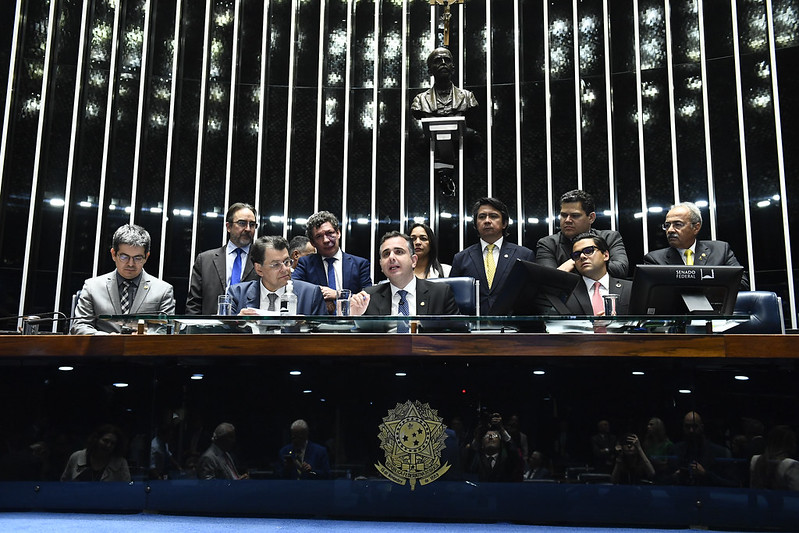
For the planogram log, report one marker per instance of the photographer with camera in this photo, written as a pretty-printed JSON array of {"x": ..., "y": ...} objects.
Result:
[
  {"x": 697, "y": 460},
  {"x": 631, "y": 465},
  {"x": 494, "y": 456}
]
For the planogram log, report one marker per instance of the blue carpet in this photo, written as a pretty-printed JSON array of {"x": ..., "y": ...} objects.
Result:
[{"x": 150, "y": 523}]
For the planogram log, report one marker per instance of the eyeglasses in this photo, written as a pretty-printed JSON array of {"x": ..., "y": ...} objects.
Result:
[
  {"x": 244, "y": 223},
  {"x": 275, "y": 266},
  {"x": 491, "y": 436},
  {"x": 678, "y": 225},
  {"x": 587, "y": 251},
  {"x": 138, "y": 259}
]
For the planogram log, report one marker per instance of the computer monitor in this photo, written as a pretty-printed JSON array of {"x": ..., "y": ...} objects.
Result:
[
  {"x": 530, "y": 289},
  {"x": 680, "y": 290}
]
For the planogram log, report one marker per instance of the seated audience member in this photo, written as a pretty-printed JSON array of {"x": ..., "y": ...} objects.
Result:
[
  {"x": 162, "y": 461},
  {"x": 697, "y": 461},
  {"x": 217, "y": 462},
  {"x": 603, "y": 447},
  {"x": 330, "y": 267},
  {"x": 494, "y": 455},
  {"x": 299, "y": 246},
  {"x": 591, "y": 257},
  {"x": 577, "y": 214},
  {"x": 657, "y": 446},
  {"x": 535, "y": 467},
  {"x": 404, "y": 294},
  {"x": 219, "y": 268},
  {"x": 490, "y": 260},
  {"x": 775, "y": 468},
  {"x": 683, "y": 222},
  {"x": 270, "y": 255},
  {"x": 303, "y": 459},
  {"x": 425, "y": 245},
  {"x": 631, "y": 465},
  {"x": 103, "y": 459},
  {"x": 126, "y": 290}
]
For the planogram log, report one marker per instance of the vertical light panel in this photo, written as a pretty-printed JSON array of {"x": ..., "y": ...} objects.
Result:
[
  {"x": 462, "y": 222},
  {"x": 640, "y": 106},
  {"x": 375, "y": 127},
  {"x": 73, "y": 141},
  {"x": 489, "y": 104},
  {"x": 346, "y": 158},
  {"x": 609, "y": 117},
  {"x": 578, "y": 119},
  {"x": 259, "y": 164},
  {"x": 403, "y": 214},
  {"x": 431, "y": 209},
  {"x": 548, "y": 119},
  {"x": 234, "y": 77},
  {"x": 672, "y": 112},
  {"x": 320, "y": 105},
  {"x": 37, "y": 158},
  {"x": 289, "y": 113},
  {"x": 711, "y": 196},
  {"x": 775, "y": 91},
  {"x": 517, "y": 93},
  {"x": 143, "y": 78},
  {"x": 12, "y": 67}
]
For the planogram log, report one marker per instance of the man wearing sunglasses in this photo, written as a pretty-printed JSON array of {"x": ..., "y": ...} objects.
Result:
[
  {"x": 215, "y": 270},
  {"x": 273, "y": 266},
  {"x": 591, "y": 255},
  {"x": 126, "y": 290},
  {"x": 683, "y": 222}
]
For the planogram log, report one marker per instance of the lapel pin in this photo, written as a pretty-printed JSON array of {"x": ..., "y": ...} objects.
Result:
[
  {"x": 421, "y": 303},
  {"x": 506, "y": 255},
  {"x": 618, "y": 284}
]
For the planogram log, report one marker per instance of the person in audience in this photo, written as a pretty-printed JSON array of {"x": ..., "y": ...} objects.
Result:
[
  {"x": 577, "y": 214},
  {"x": 270, "y": 256},
  {"x": 631, "y": 465},
  {"x": 404, "y": 294},
  {"x": 776, "y": 468},
  {"x": 303, "y": 459},
  {"x": 162, "y": 461},
  {"x": 490, "y": 260},
  {"x": 103, "y": 459},
  {"x": 657, "y": 446},
  {"x": 494, "y": 455},
  {"x": 425, "y": 245},
  {"x": 697, "y": 460},
  {"x": 217, "y": 462},
  {"x": 217, "y": 269},
  {"x": 591, "y": 256},
  {"x": 683, "y": 222},
  {"x": 519, "y": 438},
  {"x": 330, "y": 267},
  {"x": 535, "y": 467},
  {"x": 127, "y": 290},
  {"x": 299, "y": 246},
  {"x": 603, "y": 448}
]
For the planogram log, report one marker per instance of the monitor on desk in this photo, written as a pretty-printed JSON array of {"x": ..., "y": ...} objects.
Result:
[
  {"x": 532, "y": 289},
  {"x": 682, "y": 290}
]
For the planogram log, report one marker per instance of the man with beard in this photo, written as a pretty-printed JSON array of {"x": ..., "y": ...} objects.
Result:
[{"x": 683, "y": 222}]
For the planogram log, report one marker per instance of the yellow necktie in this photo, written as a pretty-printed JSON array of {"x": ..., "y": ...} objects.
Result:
[
  {"x": 689, "y": 257},
  {"x": 491, "y": 267}
]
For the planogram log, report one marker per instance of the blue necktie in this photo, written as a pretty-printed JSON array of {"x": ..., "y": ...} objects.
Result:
[
  {"x": 402, "y": 326},
  {"x": 235, "y": 274},
  {"x": 331, "y": 273}
]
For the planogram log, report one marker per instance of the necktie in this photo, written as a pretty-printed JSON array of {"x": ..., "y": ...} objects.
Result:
[
  {"x": 491, "y": 267},
  {"x": 403, "y": 309},
  {"x": 272, "y": 299},
  {"x": 689, "y": 257},
  {"x": 596, "y": 300},
  {"x": 331, "y": 273},
  {"x": 124, "y": 297},
  {"x": 235, "y": 274}
]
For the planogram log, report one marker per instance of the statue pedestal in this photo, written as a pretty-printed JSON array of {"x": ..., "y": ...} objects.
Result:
[{"x": 446, "y": 158}]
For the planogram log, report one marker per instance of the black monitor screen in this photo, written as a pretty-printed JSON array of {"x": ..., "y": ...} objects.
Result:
[
  {"x": 530, "y": 289},
  {"x": 680, "y": 290}
]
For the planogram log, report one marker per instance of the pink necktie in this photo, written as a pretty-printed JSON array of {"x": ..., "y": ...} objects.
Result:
[{"x": 596, "y": 300}]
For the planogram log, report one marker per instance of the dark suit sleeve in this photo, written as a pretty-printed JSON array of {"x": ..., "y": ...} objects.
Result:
[
  {"x": 649, "y": 259},
  {"x": 450, "y": 307},
  {"x": 731, "y": 260},
  {"x": 546, "y": 252},
  {"x": 318, "y": 305},
  {"x": 238, "y": 297},
  {"x": 301, "y": 272},
  {"x": 167, "y": 304},
  {"x": 194, "y": 301},
  {"x": 85, "y": 325},
  {"x": 618, "y": 264},
  {"x": 457, "y": 266}
]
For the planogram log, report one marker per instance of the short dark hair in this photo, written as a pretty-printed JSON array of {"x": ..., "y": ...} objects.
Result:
[
  {"x": 599, "y": 242},
  {"x": 235, "y": 207},
  {"x": 578, "y": 195},
  {"x": 499, "y": 205},
  {"x": 132, "y": 235},
  {"x": 317, "y": 219},
  {"x": 261, "y": 244},
  {"x": 298, "y": 242},
  {"x": 392, "y": 234}
]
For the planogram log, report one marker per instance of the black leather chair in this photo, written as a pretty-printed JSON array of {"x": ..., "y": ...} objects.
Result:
[
  {"x": 466, "y": 290},
  {"x": 765, "y": 310}
]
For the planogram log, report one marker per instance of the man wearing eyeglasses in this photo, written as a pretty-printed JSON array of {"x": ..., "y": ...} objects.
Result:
[
  {"x": 683, "y": 222},
  {"x": 591, "y": 255},
  {"x": 215, "y": 270},
  {"x": 126, "y": 290},
  {"x": 270, "y": 256}
]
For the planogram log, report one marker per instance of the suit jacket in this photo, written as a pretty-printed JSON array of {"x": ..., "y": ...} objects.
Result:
[
  {"x": 248, "y": 294},
  {"x": 354, "y": 271},
  {"x": 315, "y": 455},
  {"x": 209, "y": 280},
  {"x": 100, "y": 296},
  {"x": 708, "y": 253},
  {"x": 424, "y": 104},
  {"x": 469, "y": 262},
  {"x": 579, "y": 302},
  {"x": 215, "y": 463},
  {"x": 553, "y": 250},
  {"x": 431, "y": 299}
]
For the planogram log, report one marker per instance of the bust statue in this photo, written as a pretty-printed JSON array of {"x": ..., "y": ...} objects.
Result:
[{"x": 443, "y": 99}]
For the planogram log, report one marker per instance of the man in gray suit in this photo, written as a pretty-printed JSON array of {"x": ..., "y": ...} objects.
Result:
[
  {"x": 215, "y": 270},
  {"x": 683, "y": 222},
  {"x": 126, "y": 290}
]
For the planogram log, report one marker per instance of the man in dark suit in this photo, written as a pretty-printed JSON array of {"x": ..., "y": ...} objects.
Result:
[
  {"x": 303, "y": 459},
  {"x": 577, "y": 214},
  {"x": 331, "y": 268},
  {"x": 126, "y": 290},
  {"x": 404, "y": 294},
  {"x": 215, "y": 270},
  {"x": 270, "y": 255},
  {"x": 683, "y": 222},
  {"x": 591, "y": 256},
  {"x": 491, "y": 259}
]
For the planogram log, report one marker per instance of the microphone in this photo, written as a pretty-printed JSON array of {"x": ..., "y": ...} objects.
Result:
[{"x": 31, "y": 323}]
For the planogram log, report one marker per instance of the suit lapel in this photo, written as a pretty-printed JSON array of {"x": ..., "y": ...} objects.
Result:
[
  {"x": 673, "y": 257},
  {"x": 702, "y": 253},
  {"x": 476, "y": 255},
  {"x": 253, "y": 296},
  {"x": 382, "y": 299},
  {"x": 220, "y": 264},
  {"x": 141, "y": 293},
  {"x": 583, "y": 299},
  {"x": 422, "y": 297},
  {"x": 506, "y": 256},
  {"x": 113, "y": 292}
]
